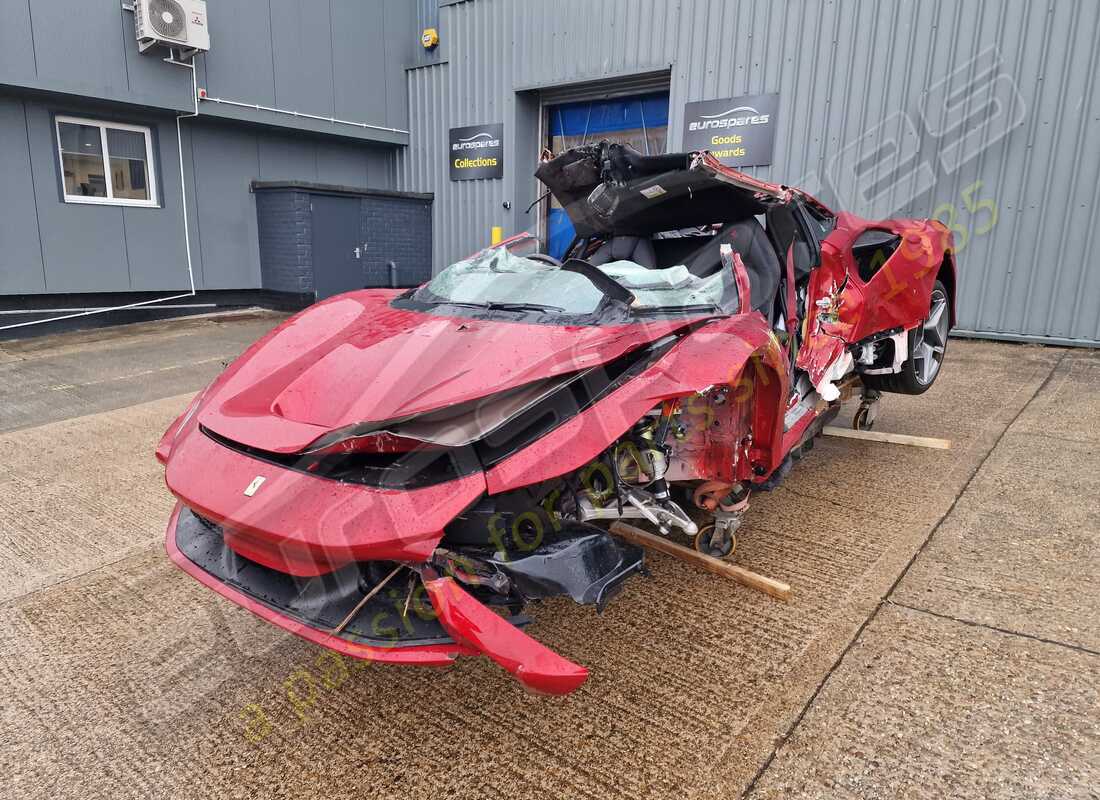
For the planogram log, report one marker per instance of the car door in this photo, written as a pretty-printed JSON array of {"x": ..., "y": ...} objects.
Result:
[{"x": 834, "y": 303}]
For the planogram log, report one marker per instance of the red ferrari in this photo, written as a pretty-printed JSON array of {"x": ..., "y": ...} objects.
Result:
[{"x": 400, "y": 475}]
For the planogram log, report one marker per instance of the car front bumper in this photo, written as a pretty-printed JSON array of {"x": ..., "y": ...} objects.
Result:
[{"x": 429, "y": 624}]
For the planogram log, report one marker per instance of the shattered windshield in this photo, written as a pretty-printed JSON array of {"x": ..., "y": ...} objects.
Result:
[{"x": 497, "y": 278}]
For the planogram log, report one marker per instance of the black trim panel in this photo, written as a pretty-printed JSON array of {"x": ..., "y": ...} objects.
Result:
[{"x": 320, "y": 602}]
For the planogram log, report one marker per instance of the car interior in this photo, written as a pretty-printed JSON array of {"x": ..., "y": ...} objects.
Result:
[
  {"x": 700, "y": 254},
  {"x": 699, "y": 250},
  {"x": 649, "y": 210}
]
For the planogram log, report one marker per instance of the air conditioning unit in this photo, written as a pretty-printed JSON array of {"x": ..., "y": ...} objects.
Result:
[{"x": 179, "y": 24}]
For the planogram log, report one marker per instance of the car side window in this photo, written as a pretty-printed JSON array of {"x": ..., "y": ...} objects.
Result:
[
  {"x": 823, "y": 224},
  {"x": 806, "y": 242},
  {"x": 786, "y": 230},
  {"x": 805, "y": 254},
  {"x": 871, "y": 250}
]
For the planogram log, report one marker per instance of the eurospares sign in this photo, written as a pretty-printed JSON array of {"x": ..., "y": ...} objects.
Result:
[
  {"x": 738, "y": 131},
  {"x": 477, "y": 152}
]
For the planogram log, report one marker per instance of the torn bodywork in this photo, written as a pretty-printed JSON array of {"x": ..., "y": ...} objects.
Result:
[{"x": 404, "y": 476}]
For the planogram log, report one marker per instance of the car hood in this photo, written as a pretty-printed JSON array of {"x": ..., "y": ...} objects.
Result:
[{"x": 354, "y": 359}]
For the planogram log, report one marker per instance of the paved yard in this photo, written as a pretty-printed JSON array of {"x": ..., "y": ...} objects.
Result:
[{"x": 944, "y": 638}]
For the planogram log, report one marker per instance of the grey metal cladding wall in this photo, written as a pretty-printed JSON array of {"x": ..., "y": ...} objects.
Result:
[
  {"x": 83, "y": 48},
  {"x": 472, "y": 85},
  {"x": 245, "y": 71},
  {"x": 21, "y": 267},
  {"x": 975, "y": 111},
  {"x": 224, "y": 160},
  {"x": 489, "y": 49},
  {"x": 573, "y": 40},
  {"x": 100, "y": 248},
  {"x": 92, "y": 248},
  {"x": 342, "y": 58}
]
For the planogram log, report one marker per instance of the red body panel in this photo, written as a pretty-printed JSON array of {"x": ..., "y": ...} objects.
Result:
[
  {"x": 536, "y": 666},
  {"x": 718, "y": 353},
  {"x": 354, "y": 359},
  {"x": 896, "y": 296},
  {"x": 475, "y": 629},
  {"x": 303, "y": 525}
]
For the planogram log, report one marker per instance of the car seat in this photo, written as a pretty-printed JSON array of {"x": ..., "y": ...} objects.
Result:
[
  {"x": 638, "y": 249},
  {"x": 748, "y": 239}
]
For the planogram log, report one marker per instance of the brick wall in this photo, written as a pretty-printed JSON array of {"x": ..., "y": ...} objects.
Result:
[
  {"x": 286, "y": 241},
  {"x": 395, "y": 229},
  {"x": 399, "y": 230}
]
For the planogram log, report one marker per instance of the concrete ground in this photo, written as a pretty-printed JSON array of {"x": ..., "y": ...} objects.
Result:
[{"x": 943, "y": 641}]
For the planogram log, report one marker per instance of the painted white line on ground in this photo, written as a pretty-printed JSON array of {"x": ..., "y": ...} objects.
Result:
[{"x": 63, "y": 386}]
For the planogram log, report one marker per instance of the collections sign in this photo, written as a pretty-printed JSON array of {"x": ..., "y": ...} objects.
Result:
[
  {"x": 477, "y": 152},
  {"x": 738, "y": 131}
]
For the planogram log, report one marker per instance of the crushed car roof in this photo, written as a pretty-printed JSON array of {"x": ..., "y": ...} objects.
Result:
[{"x": 610, "y": 188}]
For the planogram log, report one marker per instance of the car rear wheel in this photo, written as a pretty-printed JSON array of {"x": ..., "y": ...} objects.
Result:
[{"x": 927, "y": 346}]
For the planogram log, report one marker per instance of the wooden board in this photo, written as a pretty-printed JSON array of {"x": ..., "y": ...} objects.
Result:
[
  {"x": 777, "y": 589},
  {"x": 889, "y": 438}
]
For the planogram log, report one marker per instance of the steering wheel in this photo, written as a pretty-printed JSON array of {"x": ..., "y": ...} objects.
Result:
[{"x": 543, "y": 258}]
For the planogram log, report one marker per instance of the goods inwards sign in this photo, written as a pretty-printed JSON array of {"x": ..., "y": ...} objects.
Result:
[
  {"x": 477, "y": 151},
  {"x": 738, "y": 131}
]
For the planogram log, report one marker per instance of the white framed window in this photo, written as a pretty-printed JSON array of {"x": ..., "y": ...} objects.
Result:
[{"x": 105, "y": 163}]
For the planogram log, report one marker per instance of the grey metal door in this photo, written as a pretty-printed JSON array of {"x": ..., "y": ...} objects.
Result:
[{"x": 337, "y": 245}]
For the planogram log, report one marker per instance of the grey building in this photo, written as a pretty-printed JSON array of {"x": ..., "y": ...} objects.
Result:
[
  {"x": 304, "y": 94},
  {"x": 976, "y": 113}
]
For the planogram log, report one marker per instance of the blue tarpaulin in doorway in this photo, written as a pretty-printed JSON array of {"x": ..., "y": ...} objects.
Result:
[{"x": 592, "y": 120}]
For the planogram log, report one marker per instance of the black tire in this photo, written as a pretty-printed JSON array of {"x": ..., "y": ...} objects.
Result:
[
  {"x": 859, "y": 422},
  {"x": 927, "y": 345}
]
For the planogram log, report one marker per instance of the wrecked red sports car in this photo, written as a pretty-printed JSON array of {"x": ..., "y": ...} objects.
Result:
[{"x": 398, "y": 475}]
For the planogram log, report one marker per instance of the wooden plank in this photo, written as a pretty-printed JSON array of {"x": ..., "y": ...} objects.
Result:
[
  {"x": 753, "y": 580},
  {"x": 889, "y": 438}
]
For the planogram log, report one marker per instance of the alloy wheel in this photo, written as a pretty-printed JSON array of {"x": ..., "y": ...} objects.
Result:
[{"x": 930, "y": 340}]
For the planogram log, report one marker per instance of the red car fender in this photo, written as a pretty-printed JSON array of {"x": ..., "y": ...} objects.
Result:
[
  {"x": 949, "y": 272},
  {"x": 164, "y": 446},
  {"x": 738, "y": 351},
  {"x": 897, "y": 295},
  {"x": 470, "y": 623}
]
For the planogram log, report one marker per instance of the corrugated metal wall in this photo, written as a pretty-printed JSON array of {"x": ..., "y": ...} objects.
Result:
[
  {"x": 975, "y": 112},
  {"x": 471, "y": 84}
]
